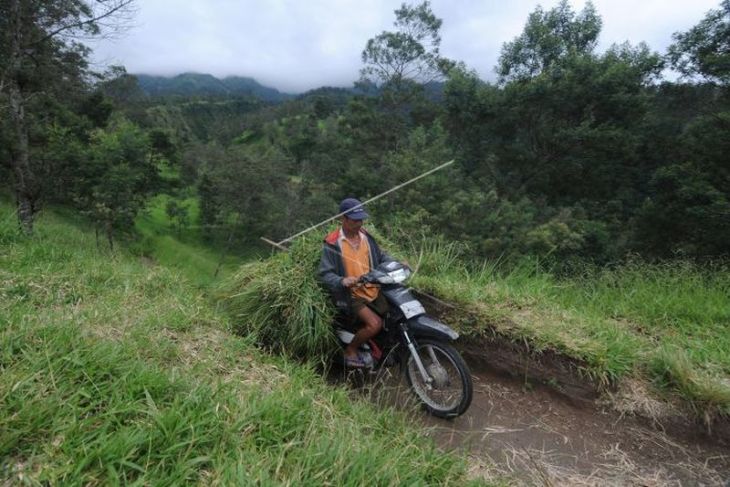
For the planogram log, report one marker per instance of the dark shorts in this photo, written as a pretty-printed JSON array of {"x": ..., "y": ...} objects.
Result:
[{"x": 379, "y": 305}]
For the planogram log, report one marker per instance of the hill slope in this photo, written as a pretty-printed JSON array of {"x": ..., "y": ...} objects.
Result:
[{"x": 117, "y": 371}]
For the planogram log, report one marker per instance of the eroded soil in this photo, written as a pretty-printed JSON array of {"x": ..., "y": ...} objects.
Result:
[{"x": 531, "y": 434}]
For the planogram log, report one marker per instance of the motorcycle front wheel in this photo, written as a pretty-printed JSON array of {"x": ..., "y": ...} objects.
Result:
[{"x": 449, "y": 392}]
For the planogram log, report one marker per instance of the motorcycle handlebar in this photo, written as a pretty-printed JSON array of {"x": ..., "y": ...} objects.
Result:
[{"x": 365, "y": 279}]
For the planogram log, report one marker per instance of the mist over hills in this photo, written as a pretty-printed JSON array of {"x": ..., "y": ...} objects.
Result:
[
  {"x": 202, "y": 84},
  {"x": 190, "y": 84}
]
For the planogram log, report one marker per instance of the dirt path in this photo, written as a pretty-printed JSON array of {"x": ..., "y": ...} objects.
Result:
[
  {"x": 534, "y": 435},
  {"x": 537, "y": 436}
]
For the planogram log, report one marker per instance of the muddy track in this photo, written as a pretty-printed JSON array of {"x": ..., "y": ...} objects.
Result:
[
  {"x": 527, "y": 433},
  {"x": 521, "y": 429},
  {"x": 536, "y": 420},
  {"x": 565, "y": 377}
]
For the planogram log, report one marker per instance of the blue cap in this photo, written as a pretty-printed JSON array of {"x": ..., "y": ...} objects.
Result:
[{"x": 353, "y": 208}]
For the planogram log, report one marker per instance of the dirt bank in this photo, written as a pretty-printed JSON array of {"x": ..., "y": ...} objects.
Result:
[
  {"x": 630, "y": 396},
  {"x": 535, "y": 434}
]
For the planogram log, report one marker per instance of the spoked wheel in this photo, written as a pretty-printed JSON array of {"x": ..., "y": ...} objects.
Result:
[{"x": 449, "y": 391}]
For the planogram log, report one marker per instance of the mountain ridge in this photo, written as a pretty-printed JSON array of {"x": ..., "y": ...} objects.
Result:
[
  {"x": 191, "y": 83},
  {"x": 204, "y": 84}
]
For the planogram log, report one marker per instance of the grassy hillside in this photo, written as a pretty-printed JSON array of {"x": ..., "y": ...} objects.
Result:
[
  {"x": 114, "y": 370},
  {"x": 666, "y": 323}
]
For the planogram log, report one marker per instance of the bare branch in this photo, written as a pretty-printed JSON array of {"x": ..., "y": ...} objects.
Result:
[{"x": 119, "y": 7}]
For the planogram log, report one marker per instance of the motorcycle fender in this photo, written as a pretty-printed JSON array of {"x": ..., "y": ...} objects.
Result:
[{"x": 425, "y": 326}]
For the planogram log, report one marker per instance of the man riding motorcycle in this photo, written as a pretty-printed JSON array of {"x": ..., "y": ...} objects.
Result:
[{"x": 348, "y": 253}]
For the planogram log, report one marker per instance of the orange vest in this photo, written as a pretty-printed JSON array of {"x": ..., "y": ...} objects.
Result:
[{"x": 357, "y": 263}]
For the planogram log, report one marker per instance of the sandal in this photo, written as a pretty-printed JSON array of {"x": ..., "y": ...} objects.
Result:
[
  {"x": 355, "y": 362},
  {"x": 367, "y": 359}
]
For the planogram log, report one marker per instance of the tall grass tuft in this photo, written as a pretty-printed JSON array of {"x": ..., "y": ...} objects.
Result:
[
  {"x": 279, "y": 302},
  {"x": 673, "y": 368}
]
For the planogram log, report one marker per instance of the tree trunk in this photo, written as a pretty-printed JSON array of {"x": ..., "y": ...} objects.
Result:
[
  {"x": 25, "y": 188},
  {"x": 110, "y": 235},
  {"x": 20, "y": 162}
]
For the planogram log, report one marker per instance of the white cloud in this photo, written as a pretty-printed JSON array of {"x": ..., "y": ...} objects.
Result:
[{"x": 295, "y": 45}]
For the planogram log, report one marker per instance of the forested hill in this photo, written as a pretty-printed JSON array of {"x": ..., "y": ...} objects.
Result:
[
  {"x": 191, "y": 84},
  {"x": 574, "y": 155}
]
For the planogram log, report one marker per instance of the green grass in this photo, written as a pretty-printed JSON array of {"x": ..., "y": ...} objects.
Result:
[
  {"x": 113, "y": 371},
  {"x": 679, "y": 302},
  {"x": 184, "y": 249},
  {"x": 666, "y": 322}
]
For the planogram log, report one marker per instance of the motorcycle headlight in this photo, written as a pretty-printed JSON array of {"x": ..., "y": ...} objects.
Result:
[{"x": 399, "y": 275}]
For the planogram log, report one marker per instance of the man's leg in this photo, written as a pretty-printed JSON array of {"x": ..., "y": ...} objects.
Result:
[{"x": 372, "y": 324}]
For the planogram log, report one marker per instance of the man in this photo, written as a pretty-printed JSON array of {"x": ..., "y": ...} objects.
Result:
[{"x": 348, "y": 253}]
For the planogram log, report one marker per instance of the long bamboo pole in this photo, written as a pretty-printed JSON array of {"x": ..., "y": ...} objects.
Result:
[{"x": 280, "y": 245}]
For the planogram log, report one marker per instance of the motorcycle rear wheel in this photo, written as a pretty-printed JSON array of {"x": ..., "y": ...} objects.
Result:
[{"x": 451, "y": 391}]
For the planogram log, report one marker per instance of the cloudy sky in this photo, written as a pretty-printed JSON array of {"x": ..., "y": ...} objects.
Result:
[{"x": 296, "y": 45}]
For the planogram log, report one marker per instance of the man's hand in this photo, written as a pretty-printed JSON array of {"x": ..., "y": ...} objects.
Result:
[{"x": 348, "y": 282}]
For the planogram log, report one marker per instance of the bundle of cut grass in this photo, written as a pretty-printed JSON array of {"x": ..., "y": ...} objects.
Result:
[{"x": 279, "y": 302}]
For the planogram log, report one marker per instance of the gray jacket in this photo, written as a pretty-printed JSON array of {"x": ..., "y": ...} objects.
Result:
[{"x": 332, "y": 269}]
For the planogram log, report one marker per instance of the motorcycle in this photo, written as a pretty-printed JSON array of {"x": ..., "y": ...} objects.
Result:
[{"x": 418, "y": 343}]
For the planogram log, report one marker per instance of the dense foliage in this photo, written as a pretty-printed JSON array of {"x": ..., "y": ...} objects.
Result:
[{"x": 574, "y": 155}]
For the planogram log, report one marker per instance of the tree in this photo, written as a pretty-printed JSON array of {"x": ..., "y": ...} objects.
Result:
[
  {"x": 38, "y": 49},
  {"x": 122, "y": 88},
  {"x": 548, "y": 38},
  {"x": 179, "y": 215},
  {"x": 472, "y": 110},
  {"x": 251, "y": 190},
  {"x": 209, "y": 206},
  {"x": 58, "y": 164},
  {"x": 704, "y": 50},
  {"x": 399, "y": 61},
  {"x": 163, "y": 145},
  {"x": 687, "y": 213},
  {"x": 567, "y": 121},
  {"x": 563, "y": 139},
  {"x": 116, "y": 177}
]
